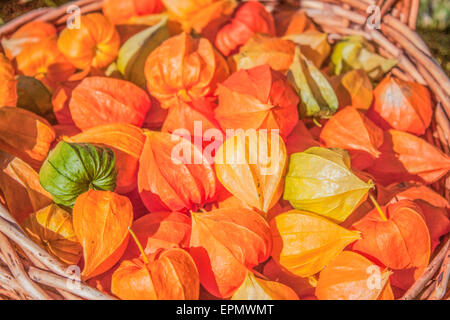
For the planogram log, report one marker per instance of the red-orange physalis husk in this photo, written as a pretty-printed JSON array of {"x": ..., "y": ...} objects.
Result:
[
  {"x": 121, "y": 11},
  {"x": 258, "y": 98},
  {"x": 401, "y": 105},
  {"x": 352, "y": 277},
  {"x": 351, "y": 130},
  {"x": 225, "y": 244},
  {"x": 100, "y": 100},
  {"x": 174, "y": 174},
  {"x": 166, "y": 275},
  {"x": 185, "y": 69},
  {"x": 398, "y": 237},
  {"x": 406, "y": 157},
  {"x": 250, "y": 18}
]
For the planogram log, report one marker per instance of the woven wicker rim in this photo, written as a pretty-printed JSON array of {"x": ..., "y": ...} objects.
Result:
[{"x": 29, "y": 272}]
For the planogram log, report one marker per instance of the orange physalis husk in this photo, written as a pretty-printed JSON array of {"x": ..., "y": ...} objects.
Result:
[
  {"x": 397, "y": 236},
  {"x": 44, "y": 61},
  {"x": 401, "y": 105},
  {"x": 174, "y": 174},
  {"x": 195, "y": 118},
  {"x": 19, "y": 184},
  {"x": 64, "y": 130},
  {"x": 251, "y": 166},
  {"x": 258, "y": 98},
  {"x": 29, "y": 34},
  {"x": 127, "y": 142},
  {"x": 119, "y": 12},
  {"x": 52, "y": 229},
  {"x": 156, "y": 116},
  {"x": 60, "y": 101},
  {"x": 300, "y": 139},
  {"x": 25, "y": 135},
  {"x": 434, "y": 207},
  {"x": 411, "y": 191},
  {"x": 351, "y": 130},
  {"x": 94, "y": 44},
  {"x": 353, "y": 89},
  {"x": 166, "y": 275},
  {"x": 304, "y": 243},
  {"x": 101, "y": 220},
  {"x": 263, "y": 49},
  {"x": 225, "y": 244},
  {"x": 8, "y": 83},
  {"x": 100, "y": 100},
  {"x": 406, "y": 157},
  {"x": 290, "y": 22},
  {"x": 301, "y": 286},
  {"x": 254, "y": 288},
  {"x": 160, "y": 230},
  {"x": 249, "y": 18},
  {"x": 199, "y": 15},
  {"x": 352, "y": 277},
  {"x": 184, "y": 68}
]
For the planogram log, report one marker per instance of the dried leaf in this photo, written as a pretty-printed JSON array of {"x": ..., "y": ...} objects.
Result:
[
  {"x": 317, "y": 96},
  {"x": 52, "y": 229},
  {"x": 251, "y": 167},
  {"x": 32, "y": 95},
  {"x": 25, "y": 135},
  {"x": 222, "y": 257},
  {"x": 101, "y": 220},
  {"x": 304, "y": 243},
  {"x": 320, "y": 180},
  {"x": 20, "y": 186}
]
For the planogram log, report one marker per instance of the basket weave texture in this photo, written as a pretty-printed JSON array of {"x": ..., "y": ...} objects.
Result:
[{"x": 29, "y": 272}]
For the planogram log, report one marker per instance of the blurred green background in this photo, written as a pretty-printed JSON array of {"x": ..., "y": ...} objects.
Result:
[{"x": 433, "y": 23}]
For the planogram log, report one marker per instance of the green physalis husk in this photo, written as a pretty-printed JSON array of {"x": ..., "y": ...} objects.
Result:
[
  {"x": 354, "y": 52},
  {"x": 317, "y": 96},
  {"x": 321, "y": 181},
  {"x": 73, "y": 168}
]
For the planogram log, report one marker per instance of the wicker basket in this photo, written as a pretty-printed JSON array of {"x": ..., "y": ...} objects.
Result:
[{"x": 29, "y": 272}]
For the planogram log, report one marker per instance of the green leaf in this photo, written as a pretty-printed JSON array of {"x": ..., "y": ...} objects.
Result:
[
  {"x": 134, "y": 52},
  {"x": 355, "y": 52},
  {"x": 318, "y": 98},
  {"x": 33, "y": 96},
  {"x": 73, "y": 168},
  {"x": 320, "y": 180}
]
